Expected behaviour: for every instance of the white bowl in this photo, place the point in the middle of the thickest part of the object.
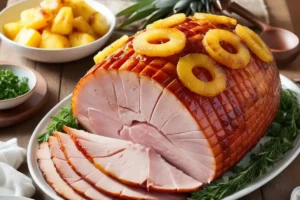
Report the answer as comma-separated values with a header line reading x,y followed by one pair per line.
x,y
12,13
20,72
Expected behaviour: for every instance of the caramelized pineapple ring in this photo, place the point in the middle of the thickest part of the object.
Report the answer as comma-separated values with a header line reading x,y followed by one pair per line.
x,y
215,18
175,44
185,73
254,42
212,45
168,22
110,49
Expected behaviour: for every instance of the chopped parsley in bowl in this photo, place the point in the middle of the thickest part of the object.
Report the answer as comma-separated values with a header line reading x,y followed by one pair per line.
x,y
17,84
12,86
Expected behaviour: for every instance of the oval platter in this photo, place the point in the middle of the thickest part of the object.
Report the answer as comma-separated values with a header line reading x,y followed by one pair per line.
x,y
273,172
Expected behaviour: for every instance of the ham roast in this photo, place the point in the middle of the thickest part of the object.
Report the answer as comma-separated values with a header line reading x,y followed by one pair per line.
x,y
140,98
167,111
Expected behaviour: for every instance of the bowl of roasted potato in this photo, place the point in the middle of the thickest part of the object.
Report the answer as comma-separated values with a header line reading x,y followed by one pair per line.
x,y
56,31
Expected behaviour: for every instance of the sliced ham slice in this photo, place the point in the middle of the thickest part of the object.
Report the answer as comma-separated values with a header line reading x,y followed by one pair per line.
x,y
142,170
51,175
70,176
100,180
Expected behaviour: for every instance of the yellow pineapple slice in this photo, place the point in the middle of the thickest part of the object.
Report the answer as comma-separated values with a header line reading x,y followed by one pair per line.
x,y
28,37
185,73
215,18
254,42
237,60
111,49
145,43
168,22
63,22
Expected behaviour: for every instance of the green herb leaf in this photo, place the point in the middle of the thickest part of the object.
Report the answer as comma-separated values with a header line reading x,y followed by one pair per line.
x,y
64,117
137,16
135,7
282,133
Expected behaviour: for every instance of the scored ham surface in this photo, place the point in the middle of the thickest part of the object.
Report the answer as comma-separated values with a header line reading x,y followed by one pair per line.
x,y
141,99
101,181
134,164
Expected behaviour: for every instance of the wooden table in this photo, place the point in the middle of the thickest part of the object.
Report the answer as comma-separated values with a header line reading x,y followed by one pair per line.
x,y
62,78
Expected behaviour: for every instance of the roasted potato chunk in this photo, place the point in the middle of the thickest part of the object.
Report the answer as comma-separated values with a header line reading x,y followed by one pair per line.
x,y
99,23
35,18
28,37
51,6
63,22
53,41
12,29
80,8
81,25
79,39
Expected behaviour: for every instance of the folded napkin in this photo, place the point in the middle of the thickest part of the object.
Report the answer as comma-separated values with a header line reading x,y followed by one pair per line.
x,y
13,182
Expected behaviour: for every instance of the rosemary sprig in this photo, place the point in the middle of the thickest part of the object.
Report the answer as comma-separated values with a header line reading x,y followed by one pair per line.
x,y
64,117
282,133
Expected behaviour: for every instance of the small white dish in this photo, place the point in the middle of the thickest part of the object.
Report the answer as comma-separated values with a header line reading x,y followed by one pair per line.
x,y
259,182
20,72
296,194
12,13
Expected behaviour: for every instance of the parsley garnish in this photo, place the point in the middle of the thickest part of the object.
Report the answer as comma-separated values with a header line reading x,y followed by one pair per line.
x,y
64,117
12,86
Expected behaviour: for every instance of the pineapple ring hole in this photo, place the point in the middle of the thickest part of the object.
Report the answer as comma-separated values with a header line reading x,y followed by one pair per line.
x,y
202,74
161,40
228,47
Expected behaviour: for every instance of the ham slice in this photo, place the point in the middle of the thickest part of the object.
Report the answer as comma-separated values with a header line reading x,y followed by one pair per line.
x,y
70,176
51,175
142,170
100,180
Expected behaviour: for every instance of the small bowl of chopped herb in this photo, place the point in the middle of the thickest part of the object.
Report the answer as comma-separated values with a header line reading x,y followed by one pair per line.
x,y
17,84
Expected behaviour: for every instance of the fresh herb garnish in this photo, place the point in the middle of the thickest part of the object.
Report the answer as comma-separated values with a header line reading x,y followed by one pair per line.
x,y
64,117
282,133
12,86
153,10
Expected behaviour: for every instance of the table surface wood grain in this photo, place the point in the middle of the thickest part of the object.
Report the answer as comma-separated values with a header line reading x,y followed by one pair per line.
x,y
62,78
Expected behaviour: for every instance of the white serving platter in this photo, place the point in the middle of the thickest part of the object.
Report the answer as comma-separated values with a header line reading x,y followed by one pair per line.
x,y
273,172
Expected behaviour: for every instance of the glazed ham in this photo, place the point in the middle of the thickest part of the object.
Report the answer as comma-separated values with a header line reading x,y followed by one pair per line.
x,y
147,167
141,99
165,112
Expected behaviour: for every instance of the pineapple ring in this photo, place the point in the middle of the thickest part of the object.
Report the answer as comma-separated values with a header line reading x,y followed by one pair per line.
x,y
255,43
176,43
185,73
212,45
101,55
168,22
215,18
